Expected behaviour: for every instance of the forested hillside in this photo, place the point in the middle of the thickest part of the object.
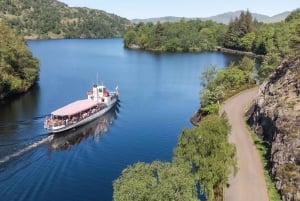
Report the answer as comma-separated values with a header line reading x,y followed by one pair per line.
x,y
18,68
38,19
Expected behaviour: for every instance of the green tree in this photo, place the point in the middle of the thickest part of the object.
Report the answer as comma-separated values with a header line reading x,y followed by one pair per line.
x,y
294,16
295,42
247,41
231,78
268,65
154,182
208,76
263,43
210,99
245,23
205,151
18,68
211,93
129,38
246,64
232,39
236,36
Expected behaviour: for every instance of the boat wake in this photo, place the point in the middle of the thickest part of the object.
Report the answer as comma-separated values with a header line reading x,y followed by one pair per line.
x,y
61,141
16,137
25,149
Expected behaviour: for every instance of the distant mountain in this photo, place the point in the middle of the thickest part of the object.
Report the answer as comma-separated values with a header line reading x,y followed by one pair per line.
x,y
226,17
277,18
53,19
222,18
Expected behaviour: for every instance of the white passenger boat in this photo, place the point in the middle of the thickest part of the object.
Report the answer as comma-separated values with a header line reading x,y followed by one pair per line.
x,y
71,138
80,112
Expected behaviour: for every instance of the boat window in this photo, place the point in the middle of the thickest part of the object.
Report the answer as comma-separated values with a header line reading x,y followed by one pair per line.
x,y
100,90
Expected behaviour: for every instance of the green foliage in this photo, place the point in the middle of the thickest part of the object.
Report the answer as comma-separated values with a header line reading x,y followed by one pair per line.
x,y
246,64
211,93
208,75
18,68
212,108
296,39
211,96
153,182
207,153
52,19
183,36
276,41
218,85
294,16
129,38
232,78
294,21
247,41
237,36
269,64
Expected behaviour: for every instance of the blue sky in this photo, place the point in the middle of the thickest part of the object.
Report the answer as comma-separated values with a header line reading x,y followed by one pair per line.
x,y
131,9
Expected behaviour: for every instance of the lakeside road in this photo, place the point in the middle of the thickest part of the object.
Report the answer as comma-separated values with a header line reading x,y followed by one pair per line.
x,y
249,183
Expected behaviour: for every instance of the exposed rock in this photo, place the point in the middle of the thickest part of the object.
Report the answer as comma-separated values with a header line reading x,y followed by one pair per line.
x,y
275,117
196,118
134,46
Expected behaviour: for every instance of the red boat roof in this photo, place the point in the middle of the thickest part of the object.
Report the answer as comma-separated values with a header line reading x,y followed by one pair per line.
x,y
75,107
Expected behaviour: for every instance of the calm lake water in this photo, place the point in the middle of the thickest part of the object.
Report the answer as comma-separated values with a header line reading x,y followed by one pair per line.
x,y
158,95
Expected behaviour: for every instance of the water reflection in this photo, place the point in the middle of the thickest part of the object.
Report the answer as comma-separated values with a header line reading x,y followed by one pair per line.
x,y
68,139
19,114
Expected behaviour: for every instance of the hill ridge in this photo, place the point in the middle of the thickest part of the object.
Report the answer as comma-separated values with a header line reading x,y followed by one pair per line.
x,y
220,18
39,19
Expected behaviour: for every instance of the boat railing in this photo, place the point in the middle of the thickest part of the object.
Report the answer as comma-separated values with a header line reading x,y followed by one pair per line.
x,y
51,123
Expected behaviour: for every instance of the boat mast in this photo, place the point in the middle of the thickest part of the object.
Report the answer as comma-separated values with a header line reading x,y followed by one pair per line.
x,y
97,79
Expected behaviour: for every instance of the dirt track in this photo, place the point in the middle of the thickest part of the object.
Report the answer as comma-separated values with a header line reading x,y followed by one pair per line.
x,y
249,183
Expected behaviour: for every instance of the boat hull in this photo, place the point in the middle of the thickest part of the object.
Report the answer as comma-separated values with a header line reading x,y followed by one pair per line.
x,y
92,117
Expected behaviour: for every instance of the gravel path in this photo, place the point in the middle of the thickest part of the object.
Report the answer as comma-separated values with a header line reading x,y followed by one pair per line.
x,y
249,183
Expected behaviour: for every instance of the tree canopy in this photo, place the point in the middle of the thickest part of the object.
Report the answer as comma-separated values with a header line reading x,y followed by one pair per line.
x,y
206,152
153,182
18,68
183,36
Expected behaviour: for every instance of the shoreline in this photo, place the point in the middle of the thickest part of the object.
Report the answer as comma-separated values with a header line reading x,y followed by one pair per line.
x,y
238,52
216,49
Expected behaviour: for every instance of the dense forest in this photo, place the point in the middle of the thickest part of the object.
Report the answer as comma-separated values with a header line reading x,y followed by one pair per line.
x,y
183,36
38,19
18,68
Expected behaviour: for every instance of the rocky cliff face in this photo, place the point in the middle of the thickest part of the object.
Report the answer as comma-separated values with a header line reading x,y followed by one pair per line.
x,y
276,119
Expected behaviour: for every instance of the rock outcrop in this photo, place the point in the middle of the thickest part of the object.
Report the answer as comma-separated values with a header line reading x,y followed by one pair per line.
x,y
275,117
